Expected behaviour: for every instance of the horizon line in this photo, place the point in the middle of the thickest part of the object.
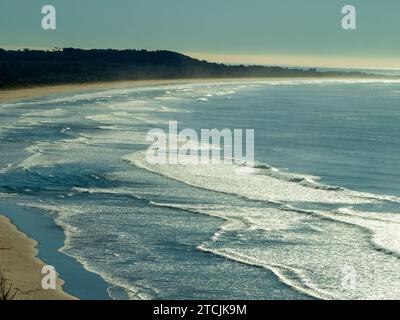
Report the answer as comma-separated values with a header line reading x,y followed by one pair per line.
x,y
305,61
290,61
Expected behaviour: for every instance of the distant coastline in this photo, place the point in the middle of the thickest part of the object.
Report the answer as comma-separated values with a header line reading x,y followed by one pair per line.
x,y
32,68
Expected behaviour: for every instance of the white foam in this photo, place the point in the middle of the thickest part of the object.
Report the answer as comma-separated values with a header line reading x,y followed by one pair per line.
x,y
313,263
118,191
62,216
225,178
288,275
7,168
46,113
126,119
7,195
384,226
50,154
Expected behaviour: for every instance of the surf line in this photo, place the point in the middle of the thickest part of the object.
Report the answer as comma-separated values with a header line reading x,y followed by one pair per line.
x,y
194,150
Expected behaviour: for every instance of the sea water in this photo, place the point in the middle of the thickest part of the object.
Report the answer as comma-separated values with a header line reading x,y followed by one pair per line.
x,y
317,217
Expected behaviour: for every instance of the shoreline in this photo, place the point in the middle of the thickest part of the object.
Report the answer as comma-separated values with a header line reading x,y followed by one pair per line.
x,y
12,94
30,223
22,267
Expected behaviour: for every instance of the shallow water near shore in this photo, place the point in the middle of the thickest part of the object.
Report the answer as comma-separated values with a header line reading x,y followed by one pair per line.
x,y
50,237
322,199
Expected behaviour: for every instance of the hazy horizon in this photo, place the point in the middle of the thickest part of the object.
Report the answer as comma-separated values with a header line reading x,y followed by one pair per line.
x,y
290,62
269,32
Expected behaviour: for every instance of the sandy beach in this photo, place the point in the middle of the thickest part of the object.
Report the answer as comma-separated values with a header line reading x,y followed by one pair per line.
x,y
21,267
25,93
7,95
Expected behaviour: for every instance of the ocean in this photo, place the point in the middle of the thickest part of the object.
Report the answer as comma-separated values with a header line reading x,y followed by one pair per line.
x,y
317,217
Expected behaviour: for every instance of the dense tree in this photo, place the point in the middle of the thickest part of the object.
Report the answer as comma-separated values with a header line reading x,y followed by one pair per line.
x,y
69,65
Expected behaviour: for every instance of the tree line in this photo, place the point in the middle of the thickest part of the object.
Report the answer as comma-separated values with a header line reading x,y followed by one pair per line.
x,y
26,67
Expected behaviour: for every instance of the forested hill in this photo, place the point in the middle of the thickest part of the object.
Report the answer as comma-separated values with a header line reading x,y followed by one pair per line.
x,y
35,67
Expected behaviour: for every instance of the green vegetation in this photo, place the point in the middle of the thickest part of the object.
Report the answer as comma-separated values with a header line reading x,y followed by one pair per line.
x,y
34,67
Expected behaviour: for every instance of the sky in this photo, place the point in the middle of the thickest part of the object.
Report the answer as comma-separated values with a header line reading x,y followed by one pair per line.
x,y
279,32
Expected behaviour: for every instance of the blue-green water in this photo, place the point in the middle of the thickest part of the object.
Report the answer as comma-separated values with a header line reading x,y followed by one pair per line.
x,y
323,198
